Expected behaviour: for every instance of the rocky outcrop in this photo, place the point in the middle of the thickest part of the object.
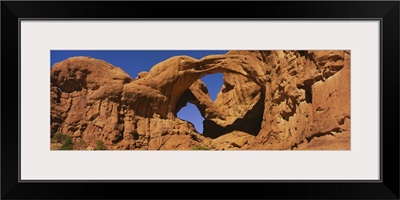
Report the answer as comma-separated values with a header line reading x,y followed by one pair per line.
x,y
85,100
269,100
307,103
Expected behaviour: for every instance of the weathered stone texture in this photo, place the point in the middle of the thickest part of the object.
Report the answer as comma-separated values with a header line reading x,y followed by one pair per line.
x,y
279,100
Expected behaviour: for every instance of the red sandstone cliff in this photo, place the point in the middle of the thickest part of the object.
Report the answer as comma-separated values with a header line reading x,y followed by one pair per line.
x,y
269,100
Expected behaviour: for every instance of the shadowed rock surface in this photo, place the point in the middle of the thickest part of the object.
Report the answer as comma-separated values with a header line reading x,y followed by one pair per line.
x,y
270,100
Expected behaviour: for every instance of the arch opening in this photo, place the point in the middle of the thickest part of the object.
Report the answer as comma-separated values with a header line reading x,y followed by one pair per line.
x,y
240,108
214,84
191,114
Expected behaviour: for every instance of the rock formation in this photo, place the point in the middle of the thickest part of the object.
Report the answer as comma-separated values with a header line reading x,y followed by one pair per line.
x,y
270,100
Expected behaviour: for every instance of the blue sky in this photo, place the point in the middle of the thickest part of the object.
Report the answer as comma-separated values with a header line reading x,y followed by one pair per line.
x,y
135,61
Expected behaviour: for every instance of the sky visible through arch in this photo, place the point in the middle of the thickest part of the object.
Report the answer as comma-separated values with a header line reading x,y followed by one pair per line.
x,y
135,61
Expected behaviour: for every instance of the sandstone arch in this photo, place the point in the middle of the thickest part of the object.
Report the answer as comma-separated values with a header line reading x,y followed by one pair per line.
x,y
222,117
167,81
303,98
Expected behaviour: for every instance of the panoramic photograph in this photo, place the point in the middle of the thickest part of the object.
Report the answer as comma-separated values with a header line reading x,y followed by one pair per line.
x,y
200,100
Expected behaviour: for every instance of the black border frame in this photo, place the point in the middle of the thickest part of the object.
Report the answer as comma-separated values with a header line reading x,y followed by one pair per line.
x,y
387,12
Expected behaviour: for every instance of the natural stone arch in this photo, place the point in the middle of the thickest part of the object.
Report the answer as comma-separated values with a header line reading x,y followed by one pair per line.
x,y
306,105
224,117
159,90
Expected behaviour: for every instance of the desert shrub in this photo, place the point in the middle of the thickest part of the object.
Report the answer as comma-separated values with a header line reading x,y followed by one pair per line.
x,y
59,137
67,144
81,144
201,148
100,145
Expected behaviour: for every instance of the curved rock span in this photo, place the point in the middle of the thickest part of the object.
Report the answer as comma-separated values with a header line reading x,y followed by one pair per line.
x,y
270,100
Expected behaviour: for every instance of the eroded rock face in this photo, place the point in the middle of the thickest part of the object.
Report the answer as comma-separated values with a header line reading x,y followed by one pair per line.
x,y
269,100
